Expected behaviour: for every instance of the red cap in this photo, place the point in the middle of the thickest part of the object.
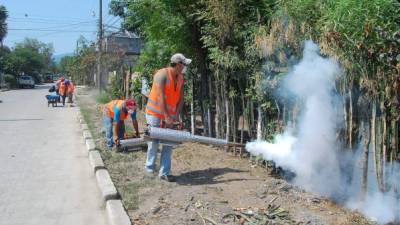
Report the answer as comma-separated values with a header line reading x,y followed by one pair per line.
x,y
130,104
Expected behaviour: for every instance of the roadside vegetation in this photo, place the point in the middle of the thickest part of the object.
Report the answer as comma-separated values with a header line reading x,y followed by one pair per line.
x,y
241,50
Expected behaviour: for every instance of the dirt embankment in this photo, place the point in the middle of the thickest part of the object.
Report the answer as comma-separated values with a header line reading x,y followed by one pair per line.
x,y
214,184
212,187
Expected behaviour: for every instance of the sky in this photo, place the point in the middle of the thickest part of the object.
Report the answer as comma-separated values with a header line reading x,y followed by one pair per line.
x,y
60,22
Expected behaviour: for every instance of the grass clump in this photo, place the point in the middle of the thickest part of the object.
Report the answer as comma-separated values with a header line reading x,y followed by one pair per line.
x,y
103,98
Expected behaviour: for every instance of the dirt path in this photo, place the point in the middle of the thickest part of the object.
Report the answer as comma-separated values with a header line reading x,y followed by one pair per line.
x,y
210,184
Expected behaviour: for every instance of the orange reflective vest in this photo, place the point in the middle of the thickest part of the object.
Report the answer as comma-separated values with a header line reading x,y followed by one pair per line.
x,y
70,88
109,109
61,89
172,95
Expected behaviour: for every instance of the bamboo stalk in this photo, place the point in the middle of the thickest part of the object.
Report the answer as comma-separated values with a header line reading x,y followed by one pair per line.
x,y
373,142
243,118
366,140
259,123
350,126
234,126
192,113
210,121
378,154
384,134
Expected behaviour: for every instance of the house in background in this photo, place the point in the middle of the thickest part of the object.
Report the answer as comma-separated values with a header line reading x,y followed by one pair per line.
x,y
127,46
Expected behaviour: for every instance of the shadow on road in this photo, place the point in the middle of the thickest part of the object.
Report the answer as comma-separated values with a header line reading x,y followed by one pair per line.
x,y
37,87
43,86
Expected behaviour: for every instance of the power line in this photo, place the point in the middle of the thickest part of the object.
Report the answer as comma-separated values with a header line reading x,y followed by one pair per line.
x,y
30,23
109,19
36,17
115,21
46,30
69,25
46,21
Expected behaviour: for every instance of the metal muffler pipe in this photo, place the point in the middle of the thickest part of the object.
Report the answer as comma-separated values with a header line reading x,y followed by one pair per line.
x,y
133,142
173,137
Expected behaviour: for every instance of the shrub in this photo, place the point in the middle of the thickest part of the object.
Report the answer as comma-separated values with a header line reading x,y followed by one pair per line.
x,y
11,81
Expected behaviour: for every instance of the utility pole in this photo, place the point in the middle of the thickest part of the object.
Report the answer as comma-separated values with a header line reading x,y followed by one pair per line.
x,y
99,69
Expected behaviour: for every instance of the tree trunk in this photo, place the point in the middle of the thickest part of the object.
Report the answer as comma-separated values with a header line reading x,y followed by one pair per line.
x,y
234,124
350,125
279,119
251,119
259,123
203,118
366,141
346,124
228,119
243,116
384,136
373,145
192,115
218,111
394,140
378,153
211,121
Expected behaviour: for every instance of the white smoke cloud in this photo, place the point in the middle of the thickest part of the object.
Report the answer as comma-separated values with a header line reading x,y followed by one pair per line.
x,y
313,154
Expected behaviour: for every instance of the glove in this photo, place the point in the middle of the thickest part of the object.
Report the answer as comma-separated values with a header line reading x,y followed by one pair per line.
x,y
180,126
116,141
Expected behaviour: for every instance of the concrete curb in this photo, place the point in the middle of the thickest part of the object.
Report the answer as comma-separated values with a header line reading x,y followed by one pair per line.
x,y
84,126
95,160
107,188
117,214
90,146
87,135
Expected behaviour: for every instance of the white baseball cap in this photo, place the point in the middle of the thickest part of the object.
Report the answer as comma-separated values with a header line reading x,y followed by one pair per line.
x,y
179,58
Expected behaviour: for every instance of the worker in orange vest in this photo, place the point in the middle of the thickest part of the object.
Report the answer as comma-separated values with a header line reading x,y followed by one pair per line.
x,y
114,114
70,91
163,106
65,90
58,84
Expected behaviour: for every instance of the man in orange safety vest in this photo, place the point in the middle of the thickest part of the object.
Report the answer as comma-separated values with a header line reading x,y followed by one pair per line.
x,y
163,106
114,114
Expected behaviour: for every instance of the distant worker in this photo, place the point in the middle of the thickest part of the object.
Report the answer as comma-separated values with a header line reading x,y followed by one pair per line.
x,y
70,91
66,89
163,107
114,114
58,83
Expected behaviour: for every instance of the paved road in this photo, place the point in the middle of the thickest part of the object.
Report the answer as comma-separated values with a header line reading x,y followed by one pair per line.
x,y
45,177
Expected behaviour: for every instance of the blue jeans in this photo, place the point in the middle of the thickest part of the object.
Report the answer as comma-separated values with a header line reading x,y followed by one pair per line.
x,y
108,125
165,161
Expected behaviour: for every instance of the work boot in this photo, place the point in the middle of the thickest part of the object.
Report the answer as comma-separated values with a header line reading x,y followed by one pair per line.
x,y
168,178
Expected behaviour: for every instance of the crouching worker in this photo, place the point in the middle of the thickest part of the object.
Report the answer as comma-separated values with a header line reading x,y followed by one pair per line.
x,y
114,114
